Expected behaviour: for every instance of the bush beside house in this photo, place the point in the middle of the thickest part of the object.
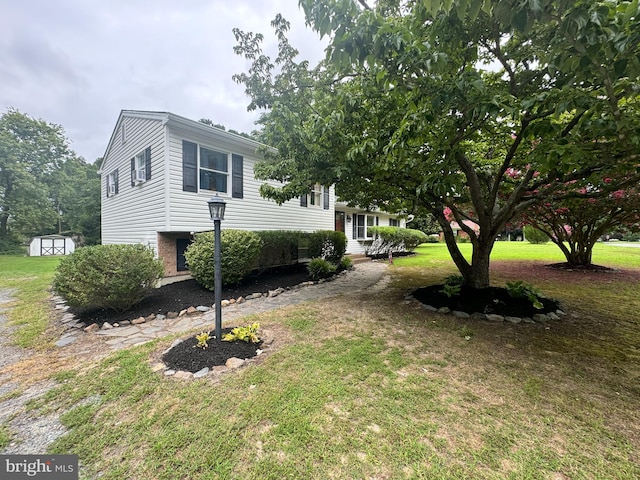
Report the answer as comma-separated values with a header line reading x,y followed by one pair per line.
x,y
107,276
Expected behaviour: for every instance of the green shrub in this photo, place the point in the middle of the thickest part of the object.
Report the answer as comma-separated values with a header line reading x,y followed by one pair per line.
x,y
394,239
345,263
535,236
328,245
239,250
107,276
320,268
279,248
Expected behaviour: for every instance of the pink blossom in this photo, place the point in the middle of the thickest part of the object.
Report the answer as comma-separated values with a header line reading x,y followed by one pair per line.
x,y
606,180
618,194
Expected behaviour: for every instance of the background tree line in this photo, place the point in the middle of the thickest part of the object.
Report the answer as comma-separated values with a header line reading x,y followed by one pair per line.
x,y
45,188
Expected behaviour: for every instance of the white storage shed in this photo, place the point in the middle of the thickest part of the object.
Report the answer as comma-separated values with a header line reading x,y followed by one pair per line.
x,y
51,245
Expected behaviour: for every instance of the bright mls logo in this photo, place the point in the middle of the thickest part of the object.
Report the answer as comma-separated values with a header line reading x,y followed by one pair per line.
x,y
45,467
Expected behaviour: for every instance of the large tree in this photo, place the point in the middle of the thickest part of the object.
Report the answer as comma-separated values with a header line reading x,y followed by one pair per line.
x,y
44,187
479,107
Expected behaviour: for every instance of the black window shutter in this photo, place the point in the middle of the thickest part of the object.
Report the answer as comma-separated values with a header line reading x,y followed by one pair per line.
x,y
133,172
303,200
355,226
326,198
116,181
108,185
189,166
236,175
377,221
147,163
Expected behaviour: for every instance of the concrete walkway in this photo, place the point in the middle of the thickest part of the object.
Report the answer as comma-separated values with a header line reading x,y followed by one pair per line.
x,y
362,277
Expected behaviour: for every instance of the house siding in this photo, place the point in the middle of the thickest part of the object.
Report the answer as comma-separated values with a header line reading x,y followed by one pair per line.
x,y
189,210
134,214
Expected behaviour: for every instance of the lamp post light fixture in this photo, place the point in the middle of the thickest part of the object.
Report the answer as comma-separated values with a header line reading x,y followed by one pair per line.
x,y
216,210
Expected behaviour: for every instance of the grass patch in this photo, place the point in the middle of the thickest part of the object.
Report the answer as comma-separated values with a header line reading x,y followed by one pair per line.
x,y
29,278
374,386
5,436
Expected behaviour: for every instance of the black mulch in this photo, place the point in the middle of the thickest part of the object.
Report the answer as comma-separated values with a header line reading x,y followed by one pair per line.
x,y
188,356
180,295
492,300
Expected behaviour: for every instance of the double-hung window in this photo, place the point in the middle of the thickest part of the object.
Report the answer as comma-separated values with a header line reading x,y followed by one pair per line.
x,y
204,168
141,167
315,197
214,170
112,183
394,222
361,224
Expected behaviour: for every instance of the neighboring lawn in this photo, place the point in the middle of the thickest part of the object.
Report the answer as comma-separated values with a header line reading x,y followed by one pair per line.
x,y
29,278
376,387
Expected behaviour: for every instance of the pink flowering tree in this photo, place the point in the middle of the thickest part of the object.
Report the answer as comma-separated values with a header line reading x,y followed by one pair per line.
x,y
575,219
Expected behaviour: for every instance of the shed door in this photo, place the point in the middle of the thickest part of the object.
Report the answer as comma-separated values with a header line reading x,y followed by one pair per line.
x,y
52,246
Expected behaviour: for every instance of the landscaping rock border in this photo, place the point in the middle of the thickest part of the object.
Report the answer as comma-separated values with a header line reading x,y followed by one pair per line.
x,y
537,318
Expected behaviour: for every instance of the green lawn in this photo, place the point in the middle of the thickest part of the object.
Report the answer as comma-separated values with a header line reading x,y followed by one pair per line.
x,y
29,278
373,386
608,255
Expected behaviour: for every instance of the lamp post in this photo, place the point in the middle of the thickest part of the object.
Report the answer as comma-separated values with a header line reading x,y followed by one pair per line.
x,y
216,210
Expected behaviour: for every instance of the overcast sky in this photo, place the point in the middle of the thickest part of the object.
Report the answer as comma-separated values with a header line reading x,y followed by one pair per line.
x,y
77,63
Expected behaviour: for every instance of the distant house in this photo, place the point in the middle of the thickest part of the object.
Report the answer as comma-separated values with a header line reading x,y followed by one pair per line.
x,y
46,245
159,170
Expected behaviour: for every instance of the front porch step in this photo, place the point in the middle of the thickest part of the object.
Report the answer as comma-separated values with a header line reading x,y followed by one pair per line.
x,y
358,258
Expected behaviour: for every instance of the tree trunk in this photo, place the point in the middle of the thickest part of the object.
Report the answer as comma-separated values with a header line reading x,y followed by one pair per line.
x,y
580,255
478,274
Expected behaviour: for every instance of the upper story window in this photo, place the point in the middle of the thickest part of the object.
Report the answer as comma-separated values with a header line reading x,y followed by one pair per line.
x,y
141,167
207,169
394,222
214,170
315,197
112,183
319,197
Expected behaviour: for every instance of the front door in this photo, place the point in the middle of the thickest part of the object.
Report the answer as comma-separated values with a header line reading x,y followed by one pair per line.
x,y
339,222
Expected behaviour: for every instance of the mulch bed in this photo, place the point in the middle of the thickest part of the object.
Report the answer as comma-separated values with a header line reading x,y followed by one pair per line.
x,y
187,356
492,300
180,295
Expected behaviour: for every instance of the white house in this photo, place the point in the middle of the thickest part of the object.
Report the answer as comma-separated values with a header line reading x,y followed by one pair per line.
x,y
159,170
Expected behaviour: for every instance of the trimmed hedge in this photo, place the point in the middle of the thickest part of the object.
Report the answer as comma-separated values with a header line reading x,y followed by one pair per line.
x,y
327,244
279,248
395,240
114,277
239,250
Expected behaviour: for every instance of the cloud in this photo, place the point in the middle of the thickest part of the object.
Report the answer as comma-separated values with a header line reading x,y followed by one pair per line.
x,y
78,63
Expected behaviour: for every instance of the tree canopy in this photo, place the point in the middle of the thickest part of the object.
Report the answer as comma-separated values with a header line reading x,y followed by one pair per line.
x,y
483,108
44,187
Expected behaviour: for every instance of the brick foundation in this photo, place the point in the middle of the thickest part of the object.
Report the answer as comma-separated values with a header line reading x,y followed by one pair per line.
x,y
168,253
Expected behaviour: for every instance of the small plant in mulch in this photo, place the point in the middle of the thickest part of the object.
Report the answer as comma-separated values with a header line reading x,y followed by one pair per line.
x,y
247,334
204,351
518,299
522,289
